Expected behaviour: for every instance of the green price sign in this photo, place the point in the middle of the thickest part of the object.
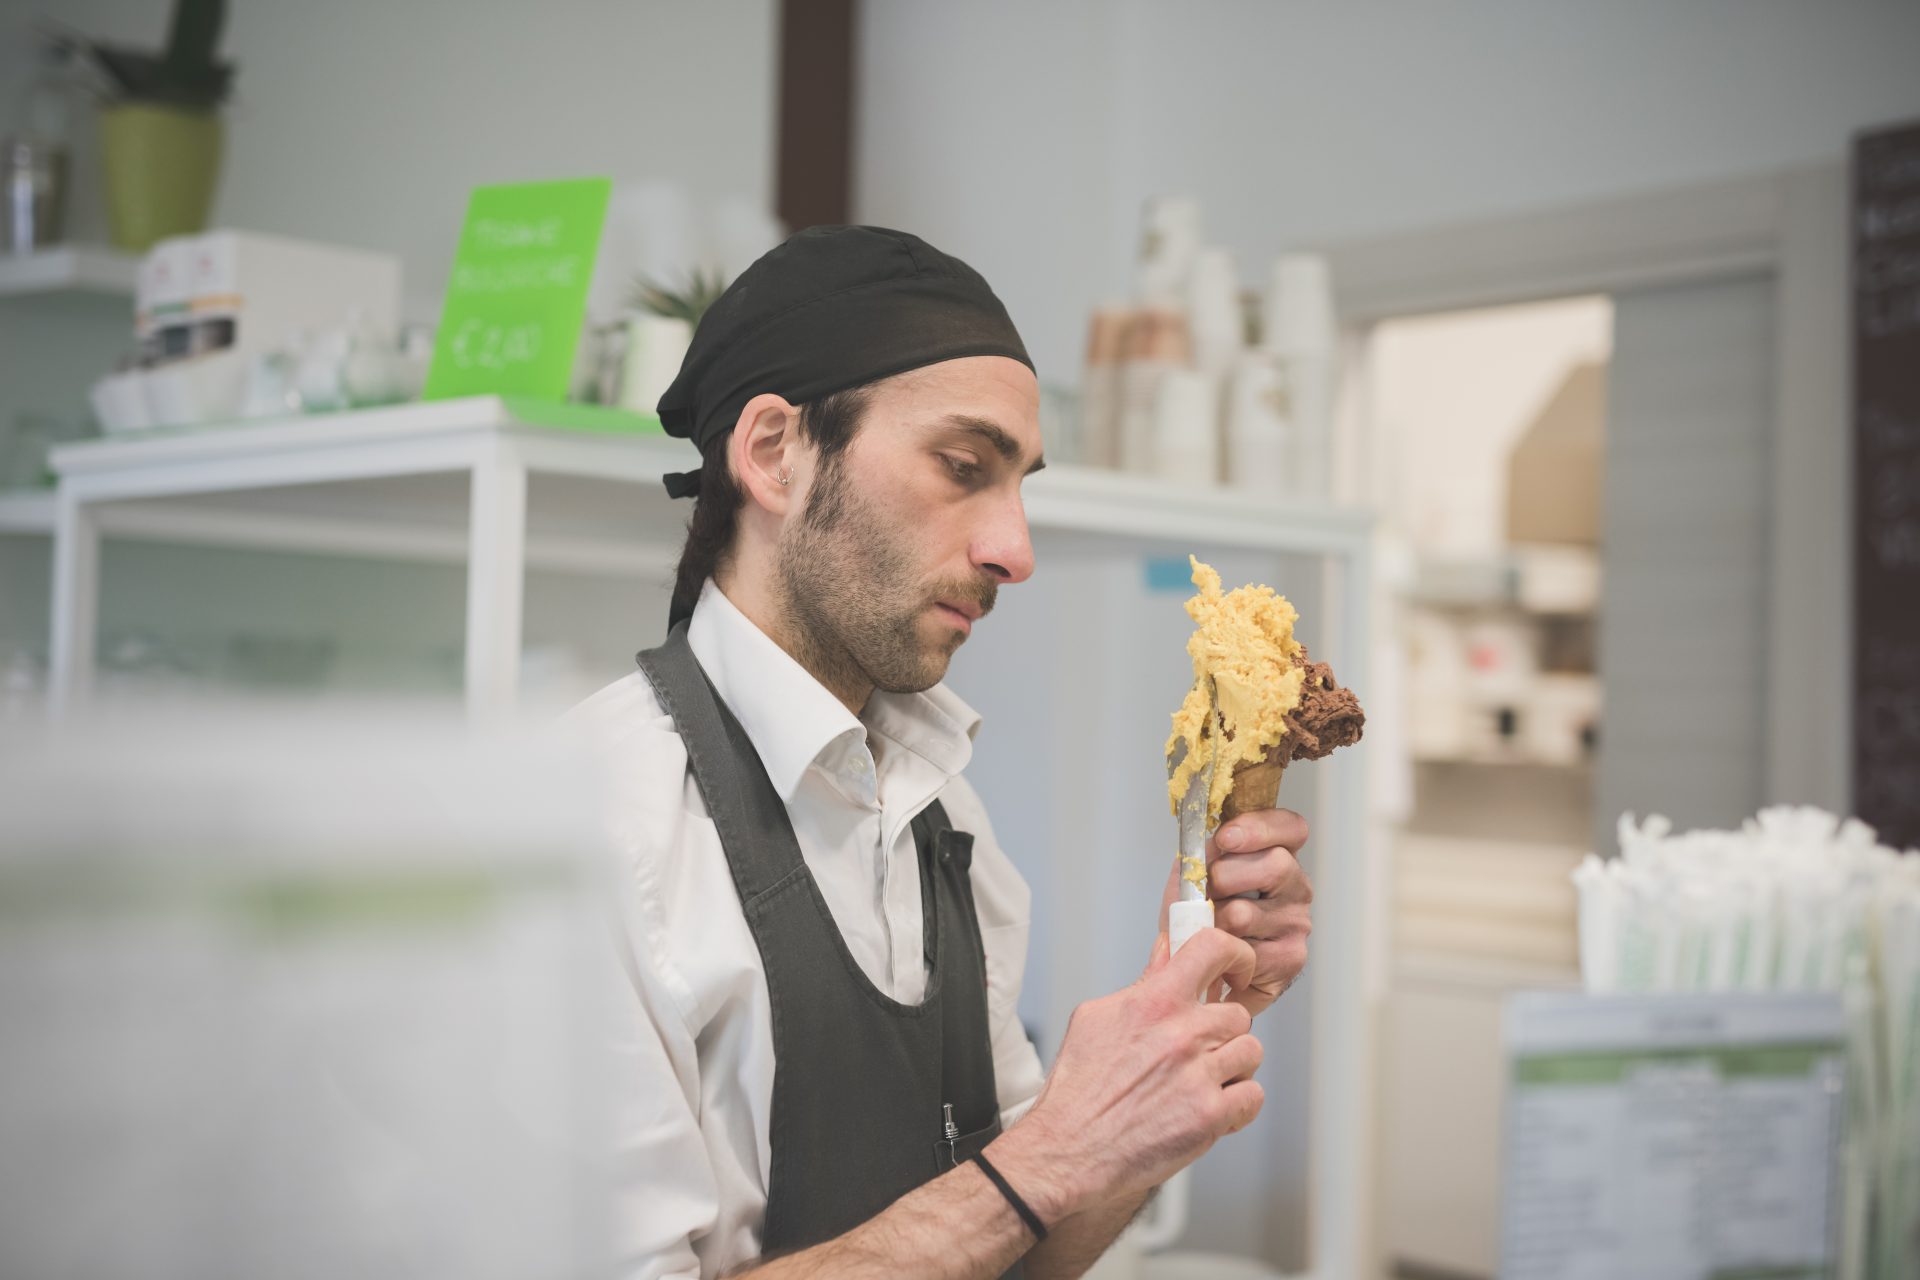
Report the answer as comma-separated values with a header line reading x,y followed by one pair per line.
x,y
517,298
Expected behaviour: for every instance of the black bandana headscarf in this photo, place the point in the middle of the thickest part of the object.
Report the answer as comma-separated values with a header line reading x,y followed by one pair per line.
x,y
830,308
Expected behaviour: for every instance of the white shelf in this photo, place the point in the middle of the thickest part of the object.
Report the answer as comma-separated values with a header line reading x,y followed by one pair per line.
x,y
504,485
1533,578
74,269
1512,758
390,483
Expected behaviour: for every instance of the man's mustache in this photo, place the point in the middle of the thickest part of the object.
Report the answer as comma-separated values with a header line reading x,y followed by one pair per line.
x,y
978,592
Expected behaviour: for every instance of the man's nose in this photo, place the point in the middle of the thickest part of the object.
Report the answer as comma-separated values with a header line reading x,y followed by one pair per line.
x,y
1004,548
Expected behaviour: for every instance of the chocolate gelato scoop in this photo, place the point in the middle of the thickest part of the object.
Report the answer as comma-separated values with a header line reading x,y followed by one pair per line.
x,y
1327,718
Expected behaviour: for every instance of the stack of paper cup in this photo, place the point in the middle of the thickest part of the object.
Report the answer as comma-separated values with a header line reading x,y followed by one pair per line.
x,y
1100,387
1298,315
1156,344
1298,326
1186,428
1213,311
1259,434
1169,241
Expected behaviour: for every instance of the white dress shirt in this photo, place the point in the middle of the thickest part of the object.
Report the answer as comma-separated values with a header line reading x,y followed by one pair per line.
x,y
694,1087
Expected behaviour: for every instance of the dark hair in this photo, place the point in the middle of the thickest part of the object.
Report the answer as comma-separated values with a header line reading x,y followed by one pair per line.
x,y
827,423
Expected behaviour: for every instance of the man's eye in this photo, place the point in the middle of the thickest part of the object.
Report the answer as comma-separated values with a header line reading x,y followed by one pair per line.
x,y
960,469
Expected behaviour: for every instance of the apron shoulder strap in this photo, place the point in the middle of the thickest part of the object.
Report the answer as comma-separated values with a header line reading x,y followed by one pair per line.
x,y
748,813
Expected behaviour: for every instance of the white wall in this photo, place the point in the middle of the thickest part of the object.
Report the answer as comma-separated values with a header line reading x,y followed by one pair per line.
x,y
366,123
1024,134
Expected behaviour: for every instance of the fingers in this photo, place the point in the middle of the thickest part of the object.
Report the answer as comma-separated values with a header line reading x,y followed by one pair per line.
x,y
1209,957
1242,1101
1222,1022
1261,829
1273,873
1157,960
1237,1059
1259,920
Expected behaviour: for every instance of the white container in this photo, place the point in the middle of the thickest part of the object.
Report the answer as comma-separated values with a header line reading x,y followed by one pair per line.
x,y
1170,240
250,290
119,402
1312,389
1156,344
1100,386
1298,314
655,347
1186,428
320,377
163,295
269,285
1213,312
371,372
215,386
169,395
1259,427
267,391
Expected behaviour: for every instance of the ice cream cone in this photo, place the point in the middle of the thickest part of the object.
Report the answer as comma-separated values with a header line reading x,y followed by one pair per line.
x,y
1256,785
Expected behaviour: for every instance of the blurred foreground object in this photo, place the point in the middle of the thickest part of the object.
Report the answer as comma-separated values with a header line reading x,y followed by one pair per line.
x,y
297,996
1795,901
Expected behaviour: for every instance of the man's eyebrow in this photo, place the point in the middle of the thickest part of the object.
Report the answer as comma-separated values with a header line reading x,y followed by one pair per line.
x,y
994,434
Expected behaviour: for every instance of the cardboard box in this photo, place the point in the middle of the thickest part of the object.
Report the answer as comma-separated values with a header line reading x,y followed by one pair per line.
x,y
1554,474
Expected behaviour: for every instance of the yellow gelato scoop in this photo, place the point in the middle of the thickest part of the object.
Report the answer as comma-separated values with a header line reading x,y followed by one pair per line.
x,y
1243,649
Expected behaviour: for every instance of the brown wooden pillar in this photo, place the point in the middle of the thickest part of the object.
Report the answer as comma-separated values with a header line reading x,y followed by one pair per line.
x,y
814,180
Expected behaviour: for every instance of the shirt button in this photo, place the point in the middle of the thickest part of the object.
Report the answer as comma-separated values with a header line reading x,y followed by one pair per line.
x,y
860,765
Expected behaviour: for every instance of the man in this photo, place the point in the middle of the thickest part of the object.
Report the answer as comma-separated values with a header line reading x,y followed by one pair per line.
x,y
827,1074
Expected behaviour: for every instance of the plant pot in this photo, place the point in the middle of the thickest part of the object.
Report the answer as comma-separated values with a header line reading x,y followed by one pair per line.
x,y
161,165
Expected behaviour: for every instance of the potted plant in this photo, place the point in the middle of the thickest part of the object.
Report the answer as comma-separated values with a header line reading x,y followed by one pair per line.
x,y
660,324
160,126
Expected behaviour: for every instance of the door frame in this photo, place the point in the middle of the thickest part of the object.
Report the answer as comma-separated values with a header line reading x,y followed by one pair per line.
x,y
1790,224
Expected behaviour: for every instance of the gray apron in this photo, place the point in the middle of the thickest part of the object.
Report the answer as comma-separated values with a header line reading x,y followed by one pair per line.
x,y
871,1097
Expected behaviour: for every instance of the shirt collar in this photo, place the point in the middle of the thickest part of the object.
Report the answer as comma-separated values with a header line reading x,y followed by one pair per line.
x,y
792,719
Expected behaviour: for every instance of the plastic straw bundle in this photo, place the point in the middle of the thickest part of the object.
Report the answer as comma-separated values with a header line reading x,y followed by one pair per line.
x,y
1796,900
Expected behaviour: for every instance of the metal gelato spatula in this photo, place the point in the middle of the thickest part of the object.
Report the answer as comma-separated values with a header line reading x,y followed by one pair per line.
x,y
1192,911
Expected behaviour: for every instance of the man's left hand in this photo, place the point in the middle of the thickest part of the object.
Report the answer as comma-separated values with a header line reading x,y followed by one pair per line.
x,y
1258,853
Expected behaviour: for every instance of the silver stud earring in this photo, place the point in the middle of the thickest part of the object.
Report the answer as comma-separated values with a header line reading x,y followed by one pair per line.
x,y
785,477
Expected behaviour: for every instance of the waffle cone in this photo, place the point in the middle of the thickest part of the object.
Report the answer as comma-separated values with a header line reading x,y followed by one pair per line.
x,y
1255,785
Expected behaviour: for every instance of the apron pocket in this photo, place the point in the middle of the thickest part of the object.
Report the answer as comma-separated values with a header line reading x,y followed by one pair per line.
x,y
950,1153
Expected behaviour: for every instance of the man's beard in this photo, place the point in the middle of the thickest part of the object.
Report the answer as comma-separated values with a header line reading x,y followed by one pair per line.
x,y
853,605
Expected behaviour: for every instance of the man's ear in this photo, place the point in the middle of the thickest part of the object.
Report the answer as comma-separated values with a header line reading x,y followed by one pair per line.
x,y
765,451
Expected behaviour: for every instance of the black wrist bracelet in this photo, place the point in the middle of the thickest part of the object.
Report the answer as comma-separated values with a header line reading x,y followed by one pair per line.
x,y
1027,1215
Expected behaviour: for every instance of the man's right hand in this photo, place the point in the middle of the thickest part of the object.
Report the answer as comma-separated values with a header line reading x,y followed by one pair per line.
x,y
1147,1079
